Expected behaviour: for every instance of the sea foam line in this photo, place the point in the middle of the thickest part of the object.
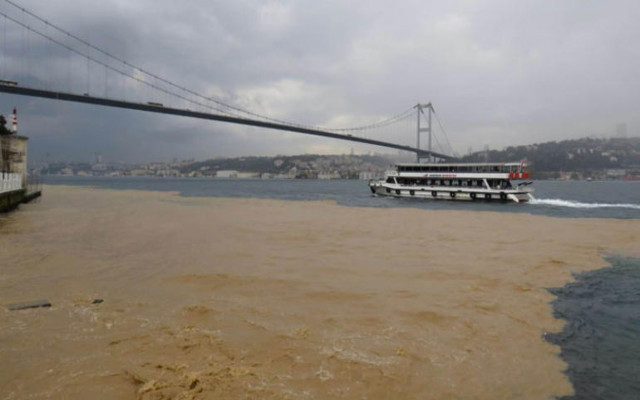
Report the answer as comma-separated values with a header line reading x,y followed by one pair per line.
x,y
577,204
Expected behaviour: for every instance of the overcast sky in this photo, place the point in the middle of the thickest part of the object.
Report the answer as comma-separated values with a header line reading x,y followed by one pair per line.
x,y
499,73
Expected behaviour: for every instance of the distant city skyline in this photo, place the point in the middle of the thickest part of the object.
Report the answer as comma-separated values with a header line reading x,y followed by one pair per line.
x,y
499,73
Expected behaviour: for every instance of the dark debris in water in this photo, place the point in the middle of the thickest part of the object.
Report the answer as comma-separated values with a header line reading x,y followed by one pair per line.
x,y
601,340
29,304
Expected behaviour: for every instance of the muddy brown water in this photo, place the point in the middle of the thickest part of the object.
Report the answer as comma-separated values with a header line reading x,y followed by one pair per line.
x,y
246,298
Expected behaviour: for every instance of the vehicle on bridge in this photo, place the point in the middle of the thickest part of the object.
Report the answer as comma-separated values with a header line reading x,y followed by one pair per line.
x,y
481,181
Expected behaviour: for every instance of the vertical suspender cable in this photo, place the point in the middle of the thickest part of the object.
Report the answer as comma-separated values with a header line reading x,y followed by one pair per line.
x,y
4,47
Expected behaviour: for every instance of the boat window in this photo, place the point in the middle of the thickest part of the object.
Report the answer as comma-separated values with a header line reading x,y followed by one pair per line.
x,y
389,180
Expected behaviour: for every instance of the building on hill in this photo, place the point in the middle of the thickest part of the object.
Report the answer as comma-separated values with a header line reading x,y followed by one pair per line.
x,y
13,168
13,159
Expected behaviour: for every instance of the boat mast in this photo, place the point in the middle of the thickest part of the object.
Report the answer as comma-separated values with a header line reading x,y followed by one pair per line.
x,y
419,110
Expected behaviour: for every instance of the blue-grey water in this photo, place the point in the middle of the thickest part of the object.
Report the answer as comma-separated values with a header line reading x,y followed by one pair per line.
x,y
600,340
574,199
602,308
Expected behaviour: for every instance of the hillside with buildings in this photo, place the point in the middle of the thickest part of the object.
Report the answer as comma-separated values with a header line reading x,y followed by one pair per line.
x,y
307,166
615,158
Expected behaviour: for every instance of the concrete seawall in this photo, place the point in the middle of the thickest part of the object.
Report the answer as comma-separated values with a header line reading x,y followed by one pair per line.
x,y
11,200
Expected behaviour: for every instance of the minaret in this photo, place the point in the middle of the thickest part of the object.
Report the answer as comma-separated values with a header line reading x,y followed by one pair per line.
x,y
14,122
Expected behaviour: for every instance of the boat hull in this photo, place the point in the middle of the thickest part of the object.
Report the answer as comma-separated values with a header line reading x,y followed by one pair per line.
x,y
382,188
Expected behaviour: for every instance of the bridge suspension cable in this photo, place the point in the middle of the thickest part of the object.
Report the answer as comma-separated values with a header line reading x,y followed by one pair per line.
x,y
380,124
86,50
223,107
446,137
88,57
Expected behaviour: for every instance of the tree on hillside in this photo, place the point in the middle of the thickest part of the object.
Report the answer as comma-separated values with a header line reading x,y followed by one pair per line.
x,y
3,126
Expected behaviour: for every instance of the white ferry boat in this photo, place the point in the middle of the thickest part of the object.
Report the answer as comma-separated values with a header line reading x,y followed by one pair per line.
x,y
486,181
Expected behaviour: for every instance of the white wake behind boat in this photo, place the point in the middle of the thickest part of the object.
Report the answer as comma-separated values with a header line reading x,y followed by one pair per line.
x,y
465,181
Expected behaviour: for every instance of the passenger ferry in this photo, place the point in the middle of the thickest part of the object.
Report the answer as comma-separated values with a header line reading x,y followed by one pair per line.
x,y
486,181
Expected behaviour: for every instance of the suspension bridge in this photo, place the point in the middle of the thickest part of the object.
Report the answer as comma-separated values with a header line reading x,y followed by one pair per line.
x,y
76,70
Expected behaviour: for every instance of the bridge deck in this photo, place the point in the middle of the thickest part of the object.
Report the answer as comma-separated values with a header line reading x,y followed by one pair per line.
x,y
158,108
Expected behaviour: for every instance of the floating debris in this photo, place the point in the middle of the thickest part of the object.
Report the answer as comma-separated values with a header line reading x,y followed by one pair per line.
x,y
29,304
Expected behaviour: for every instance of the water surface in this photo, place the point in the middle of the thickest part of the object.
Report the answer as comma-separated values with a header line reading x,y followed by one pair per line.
x,y
573,199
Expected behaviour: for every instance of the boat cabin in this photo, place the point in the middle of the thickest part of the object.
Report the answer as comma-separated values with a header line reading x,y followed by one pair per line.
x,y
473,168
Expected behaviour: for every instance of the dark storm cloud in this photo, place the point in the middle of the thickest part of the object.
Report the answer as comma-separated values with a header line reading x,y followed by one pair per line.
x,y
498,72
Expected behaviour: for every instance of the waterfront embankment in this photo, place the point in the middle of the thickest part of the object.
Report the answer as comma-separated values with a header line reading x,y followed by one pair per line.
x,y
12,199
250,298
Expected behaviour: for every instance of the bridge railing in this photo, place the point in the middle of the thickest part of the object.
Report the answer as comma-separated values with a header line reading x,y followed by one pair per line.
x,y
10,182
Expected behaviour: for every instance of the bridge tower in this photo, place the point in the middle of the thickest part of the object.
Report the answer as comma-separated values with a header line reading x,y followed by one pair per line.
x,y
420,110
